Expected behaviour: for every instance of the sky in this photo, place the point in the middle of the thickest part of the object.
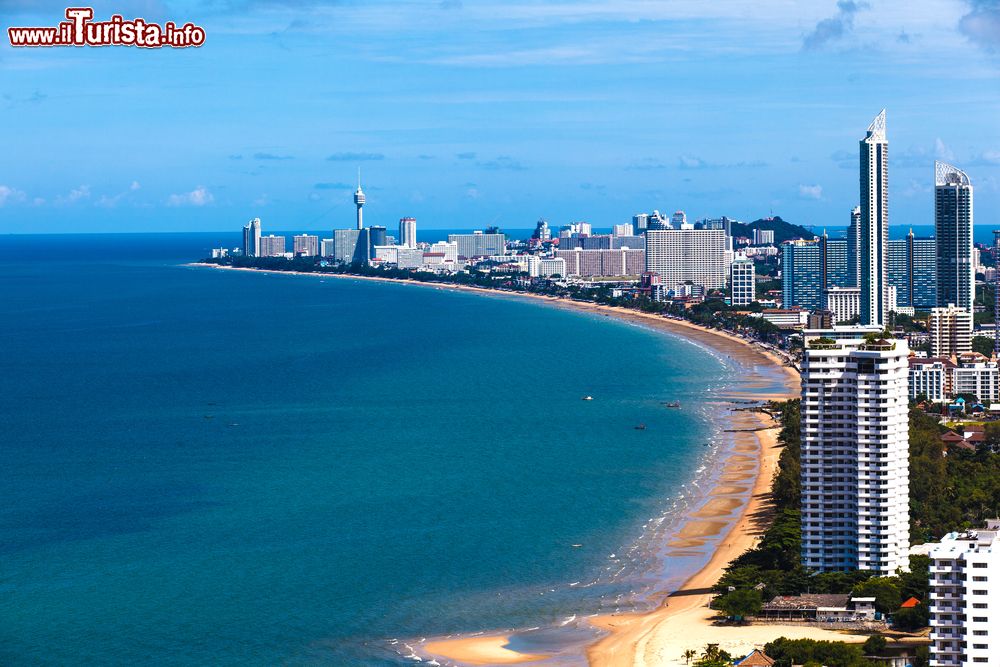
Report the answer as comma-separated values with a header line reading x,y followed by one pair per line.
x,y
465,114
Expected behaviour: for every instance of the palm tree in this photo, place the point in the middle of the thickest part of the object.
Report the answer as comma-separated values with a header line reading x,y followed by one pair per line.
x,y
688,654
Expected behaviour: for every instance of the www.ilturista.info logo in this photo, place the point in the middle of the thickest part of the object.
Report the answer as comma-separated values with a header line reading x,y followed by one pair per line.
x,y
81,30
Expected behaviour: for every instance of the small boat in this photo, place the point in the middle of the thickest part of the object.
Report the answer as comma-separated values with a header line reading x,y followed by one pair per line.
x,y
672,404
576,546
587,398
640,427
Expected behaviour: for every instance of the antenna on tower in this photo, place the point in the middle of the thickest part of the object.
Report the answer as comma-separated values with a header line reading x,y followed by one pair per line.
x,y
359,178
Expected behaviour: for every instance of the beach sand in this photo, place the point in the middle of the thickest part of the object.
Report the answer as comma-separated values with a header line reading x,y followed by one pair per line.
x,y
483,650
682,621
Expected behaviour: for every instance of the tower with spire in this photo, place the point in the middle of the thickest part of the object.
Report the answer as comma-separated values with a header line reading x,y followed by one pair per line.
x,y
874,224
359,200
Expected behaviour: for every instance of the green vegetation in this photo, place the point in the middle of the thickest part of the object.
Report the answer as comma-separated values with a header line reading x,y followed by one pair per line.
x,y
983,345
788,652
739,604
947,493
783,230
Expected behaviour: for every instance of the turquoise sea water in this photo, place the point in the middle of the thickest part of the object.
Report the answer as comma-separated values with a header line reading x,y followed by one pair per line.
x,y
207,467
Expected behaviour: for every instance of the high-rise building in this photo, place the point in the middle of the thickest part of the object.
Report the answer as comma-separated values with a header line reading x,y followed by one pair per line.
x,y
836,270
605,262
843,302
913,271
377,235
855,468
251,238
965,598
305,245
351,246
679,219
408,232
802,274
272,246
763,236
622,230
742,281
326,248
950,330
854,248
874,223
478,244
542,231
682,255
640,222
953,229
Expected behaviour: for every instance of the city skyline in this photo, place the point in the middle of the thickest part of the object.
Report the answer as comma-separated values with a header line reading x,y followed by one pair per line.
x,y
566,111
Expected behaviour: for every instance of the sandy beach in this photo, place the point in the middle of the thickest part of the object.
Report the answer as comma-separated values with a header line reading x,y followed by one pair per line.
x,y
682,621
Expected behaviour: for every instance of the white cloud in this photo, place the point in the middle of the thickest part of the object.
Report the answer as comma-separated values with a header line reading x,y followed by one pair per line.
x,y
197,197
942,152
9,194
76,194
811,191
135,186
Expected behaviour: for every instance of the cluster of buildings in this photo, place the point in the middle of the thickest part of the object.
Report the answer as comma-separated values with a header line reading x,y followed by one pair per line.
x,y
856,385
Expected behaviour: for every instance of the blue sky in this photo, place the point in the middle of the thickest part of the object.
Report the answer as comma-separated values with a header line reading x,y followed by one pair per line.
x,y
464,113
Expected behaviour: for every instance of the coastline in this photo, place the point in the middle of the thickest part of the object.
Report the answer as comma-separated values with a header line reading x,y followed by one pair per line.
x,y
639,638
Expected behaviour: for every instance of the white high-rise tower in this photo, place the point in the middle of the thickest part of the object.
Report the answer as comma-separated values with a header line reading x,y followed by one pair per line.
x,y
855,446
251,238
359,199
875,224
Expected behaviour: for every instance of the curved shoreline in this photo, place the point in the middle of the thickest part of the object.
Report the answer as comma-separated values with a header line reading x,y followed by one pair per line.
x,y
633,637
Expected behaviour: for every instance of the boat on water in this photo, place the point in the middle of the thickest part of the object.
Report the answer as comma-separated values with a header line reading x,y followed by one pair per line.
x,y
640,427
587,398
672,404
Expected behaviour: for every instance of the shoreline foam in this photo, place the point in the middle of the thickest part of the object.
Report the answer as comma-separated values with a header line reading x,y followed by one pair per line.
x,y
751,464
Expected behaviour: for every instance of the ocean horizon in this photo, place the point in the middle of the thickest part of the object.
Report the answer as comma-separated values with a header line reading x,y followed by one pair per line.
x,y
226,467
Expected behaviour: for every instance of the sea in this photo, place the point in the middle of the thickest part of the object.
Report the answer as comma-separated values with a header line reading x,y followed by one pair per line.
x,y
206,467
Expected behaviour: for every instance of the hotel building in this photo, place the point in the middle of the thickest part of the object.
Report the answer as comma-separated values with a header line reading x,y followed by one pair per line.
x,y
304,245
272,246
681,255
478,244
855,470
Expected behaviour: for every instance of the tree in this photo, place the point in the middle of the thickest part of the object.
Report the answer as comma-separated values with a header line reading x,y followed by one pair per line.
x,y
714,657
740,604
885,590
983,345
874,645
688,654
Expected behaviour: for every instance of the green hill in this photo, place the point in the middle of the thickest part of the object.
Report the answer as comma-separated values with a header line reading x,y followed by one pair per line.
x,y
783,230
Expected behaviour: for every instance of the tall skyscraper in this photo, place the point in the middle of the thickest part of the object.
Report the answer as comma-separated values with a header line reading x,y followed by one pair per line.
x,y
359,200
251,238
855,446
854,248
953,228
408,232
912,271
875,223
